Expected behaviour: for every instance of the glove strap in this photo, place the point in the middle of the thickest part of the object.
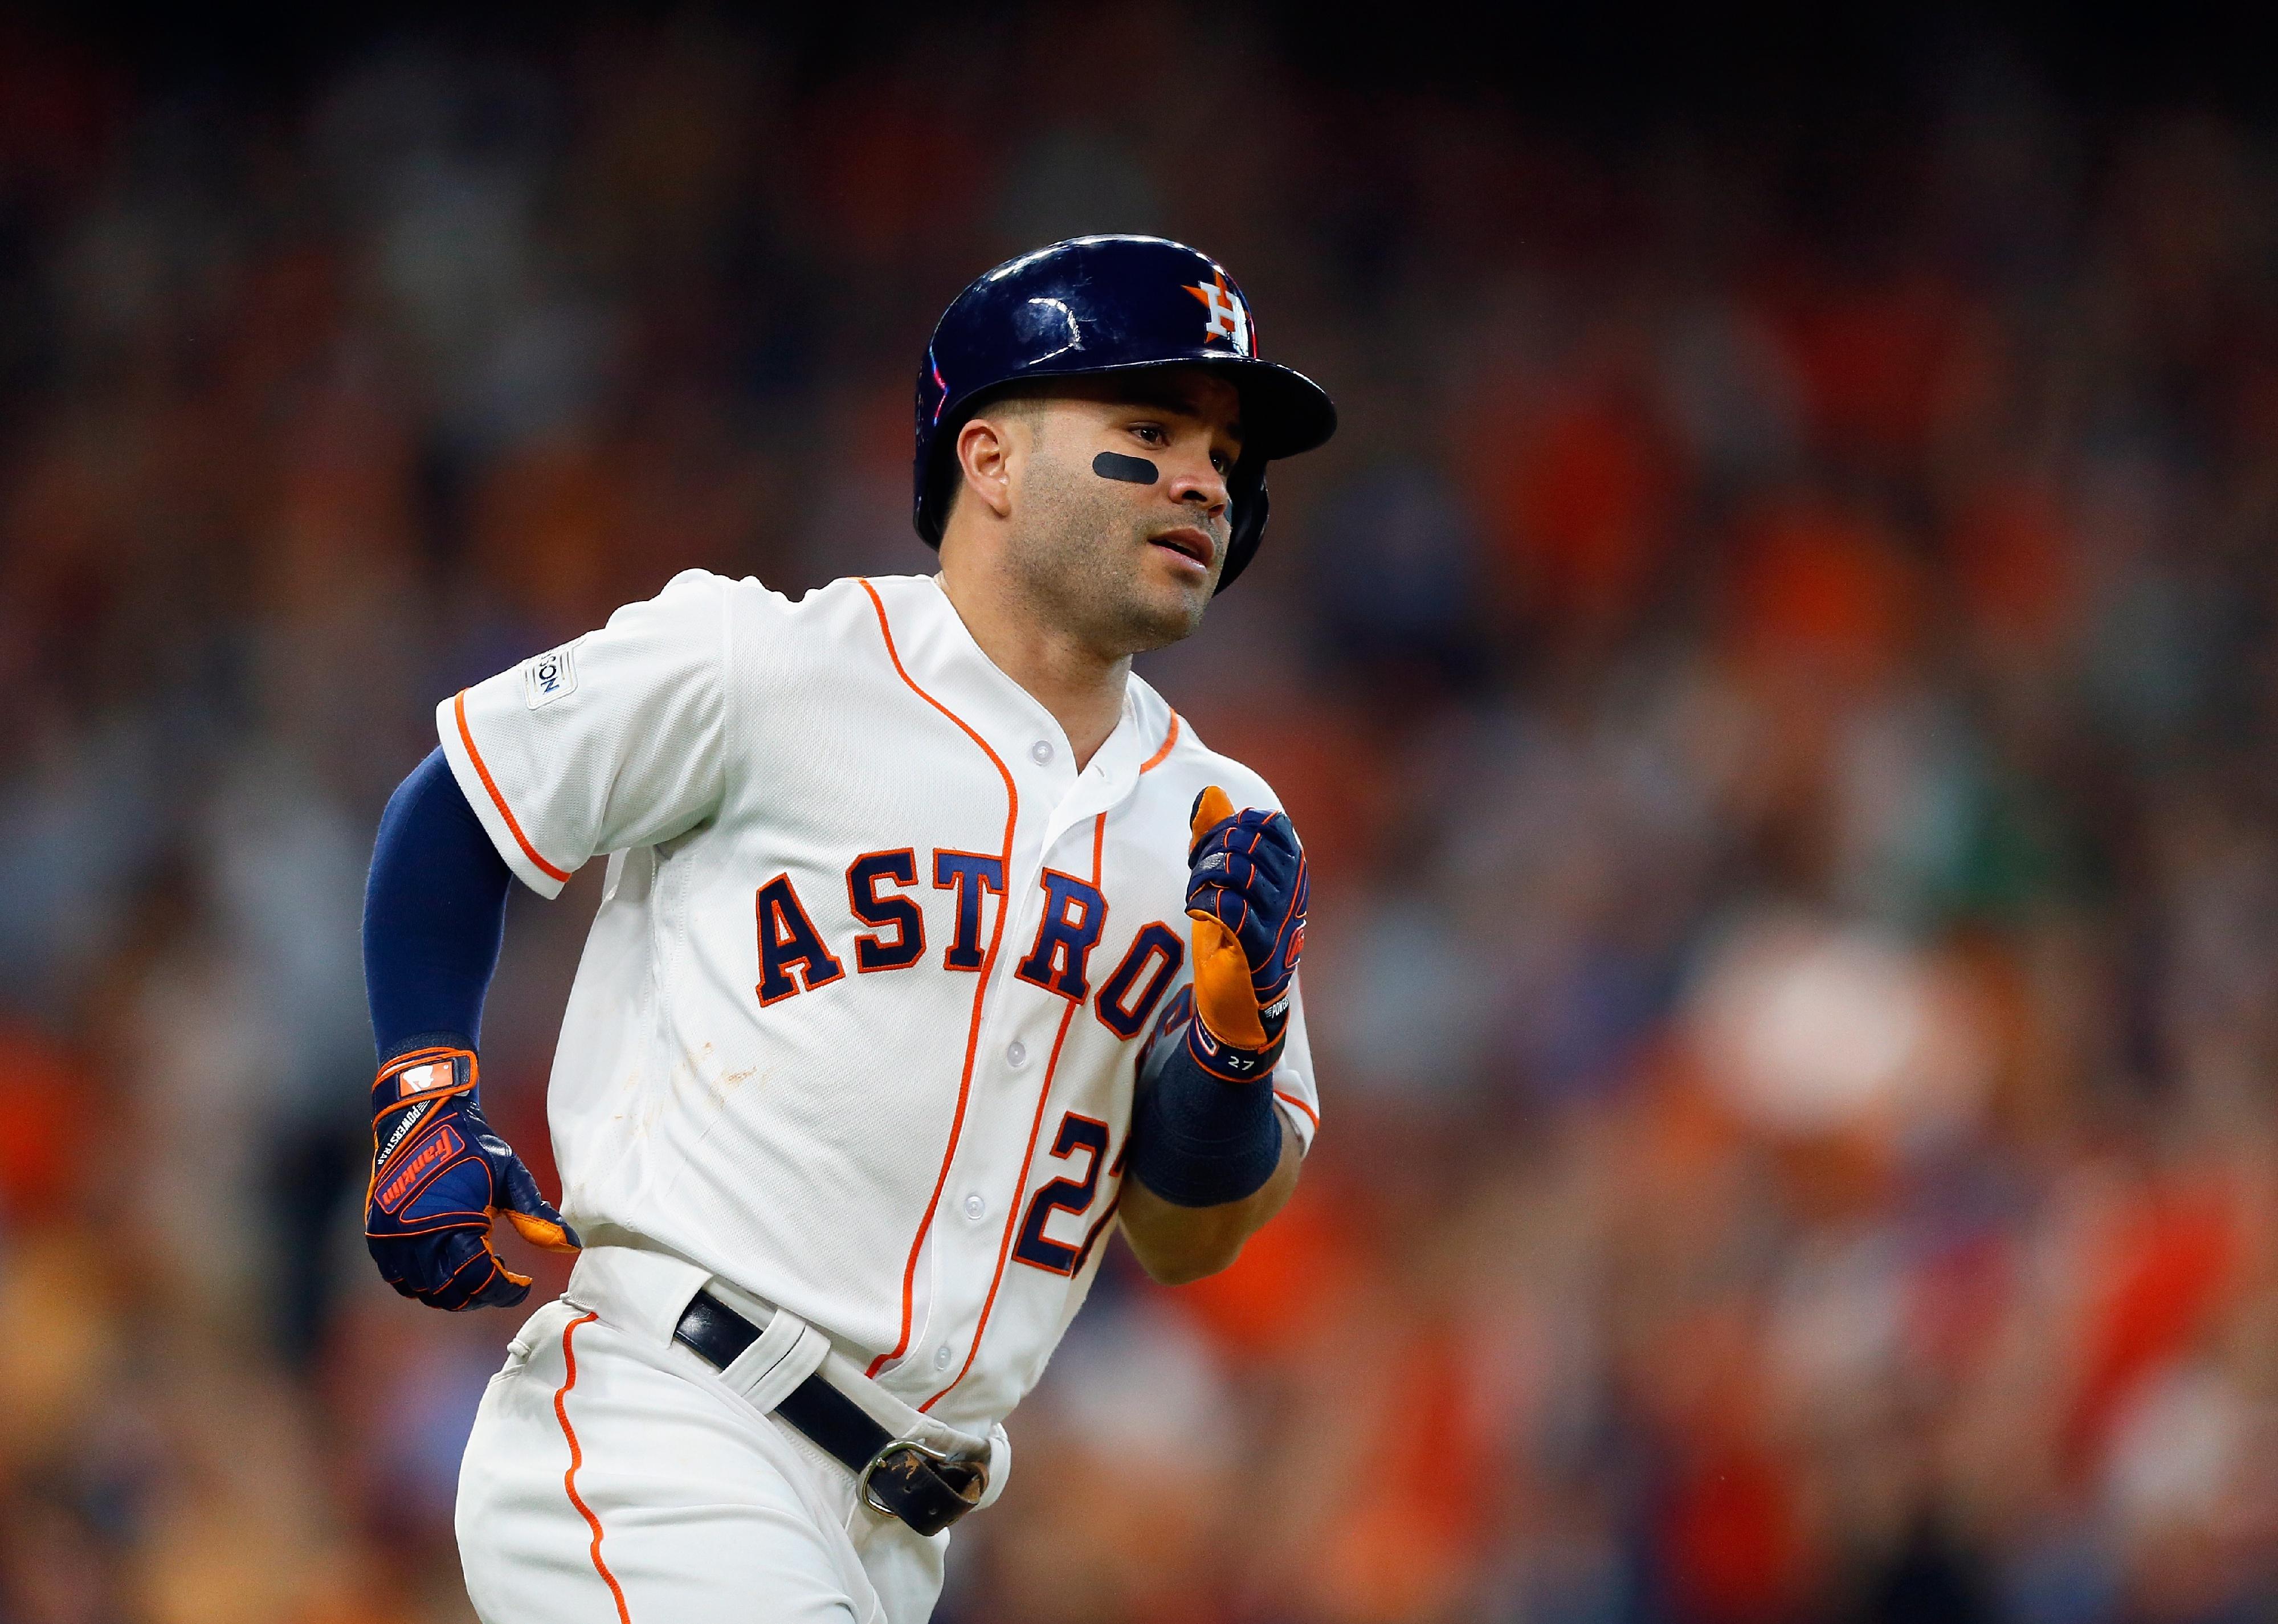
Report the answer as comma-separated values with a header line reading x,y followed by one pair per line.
x,y
423,1074
407,1092
1229,1063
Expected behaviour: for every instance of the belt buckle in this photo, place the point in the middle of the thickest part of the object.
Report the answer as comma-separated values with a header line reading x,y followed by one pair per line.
x,y
976,1475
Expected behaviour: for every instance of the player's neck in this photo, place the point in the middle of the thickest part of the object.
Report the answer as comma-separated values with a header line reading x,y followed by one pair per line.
x,y
1082,688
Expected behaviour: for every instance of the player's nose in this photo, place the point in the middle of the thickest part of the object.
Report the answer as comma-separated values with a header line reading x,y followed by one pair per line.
x,y
1201,485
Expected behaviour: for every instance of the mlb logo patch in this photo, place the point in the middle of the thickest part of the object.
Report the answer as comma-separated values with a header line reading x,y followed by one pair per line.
x,y
419,1079
551,675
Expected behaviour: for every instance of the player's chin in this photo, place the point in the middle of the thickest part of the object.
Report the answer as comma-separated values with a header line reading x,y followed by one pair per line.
x,y
1172,572
1164,606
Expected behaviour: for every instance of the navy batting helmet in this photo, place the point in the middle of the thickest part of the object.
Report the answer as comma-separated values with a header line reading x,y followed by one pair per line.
x,y
1111,304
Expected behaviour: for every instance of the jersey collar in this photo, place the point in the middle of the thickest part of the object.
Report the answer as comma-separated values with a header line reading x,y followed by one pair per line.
x,y
1016,719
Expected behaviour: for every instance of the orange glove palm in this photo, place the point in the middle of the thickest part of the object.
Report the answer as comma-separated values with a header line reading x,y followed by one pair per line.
x,y
1246,895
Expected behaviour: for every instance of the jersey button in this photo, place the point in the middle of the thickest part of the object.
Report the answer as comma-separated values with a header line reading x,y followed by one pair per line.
x,y
975,1208
940,1357
1040,751
1016,1054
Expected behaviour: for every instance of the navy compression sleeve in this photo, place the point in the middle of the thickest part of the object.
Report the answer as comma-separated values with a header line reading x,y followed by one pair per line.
x,y
434,914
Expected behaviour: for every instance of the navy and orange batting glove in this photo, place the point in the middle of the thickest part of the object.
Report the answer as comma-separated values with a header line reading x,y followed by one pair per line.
x,y
1203,1130
1246,892
439,1176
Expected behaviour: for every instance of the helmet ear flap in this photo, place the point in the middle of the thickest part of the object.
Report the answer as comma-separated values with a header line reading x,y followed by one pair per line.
x,y
937,478
1247,490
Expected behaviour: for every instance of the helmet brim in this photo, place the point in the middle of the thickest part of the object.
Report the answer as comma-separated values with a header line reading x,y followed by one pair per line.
x,y
1283,412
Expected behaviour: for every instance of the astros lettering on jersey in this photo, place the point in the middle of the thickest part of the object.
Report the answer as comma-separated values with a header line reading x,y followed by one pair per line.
x,y
857,1025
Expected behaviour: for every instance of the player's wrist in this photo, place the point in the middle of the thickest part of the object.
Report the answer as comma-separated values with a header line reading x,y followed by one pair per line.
x,y
1200,1138
431,1066
397,1048
1241,1064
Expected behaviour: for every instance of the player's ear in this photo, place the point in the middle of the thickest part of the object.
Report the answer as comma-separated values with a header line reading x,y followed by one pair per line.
x,y
984,451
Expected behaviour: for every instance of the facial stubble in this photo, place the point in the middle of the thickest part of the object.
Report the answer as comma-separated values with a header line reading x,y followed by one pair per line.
x,y
1079,554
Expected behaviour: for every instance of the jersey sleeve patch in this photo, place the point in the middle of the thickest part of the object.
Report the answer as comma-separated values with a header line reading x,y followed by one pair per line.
x,y
551,675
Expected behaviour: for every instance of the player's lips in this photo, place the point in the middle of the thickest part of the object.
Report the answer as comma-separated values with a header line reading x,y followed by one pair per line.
x,y
1187,540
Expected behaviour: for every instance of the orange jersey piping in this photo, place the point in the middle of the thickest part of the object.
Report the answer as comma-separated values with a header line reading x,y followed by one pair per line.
x,y
1169,739
459,710
577,1459
1035,1125
980,991
1301,1106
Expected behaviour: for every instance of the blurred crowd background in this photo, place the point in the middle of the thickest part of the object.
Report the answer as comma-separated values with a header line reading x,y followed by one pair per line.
x,y
1776,676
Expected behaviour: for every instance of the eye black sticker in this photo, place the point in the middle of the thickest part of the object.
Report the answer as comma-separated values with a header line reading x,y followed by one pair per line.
x,y
1131,470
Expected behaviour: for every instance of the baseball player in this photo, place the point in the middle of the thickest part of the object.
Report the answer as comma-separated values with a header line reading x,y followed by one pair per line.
x,y
934,946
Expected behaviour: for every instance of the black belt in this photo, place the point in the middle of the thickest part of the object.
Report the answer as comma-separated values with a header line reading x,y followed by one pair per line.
x,y
901,1477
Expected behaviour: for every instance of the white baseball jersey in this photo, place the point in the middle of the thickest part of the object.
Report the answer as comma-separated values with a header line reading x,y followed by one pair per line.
x,y
857,1024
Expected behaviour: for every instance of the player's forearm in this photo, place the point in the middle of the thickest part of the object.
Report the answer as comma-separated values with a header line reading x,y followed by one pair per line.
x,y
1211,1159
434,914
1176,1245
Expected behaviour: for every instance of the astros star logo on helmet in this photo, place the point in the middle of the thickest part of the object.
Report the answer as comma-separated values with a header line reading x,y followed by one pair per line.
x,y
1229,317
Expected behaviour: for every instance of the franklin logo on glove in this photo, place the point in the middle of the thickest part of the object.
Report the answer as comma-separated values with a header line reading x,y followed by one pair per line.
x,y
439,1176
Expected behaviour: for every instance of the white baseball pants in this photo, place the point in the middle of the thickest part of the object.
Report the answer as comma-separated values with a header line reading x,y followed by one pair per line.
x,y
613,1476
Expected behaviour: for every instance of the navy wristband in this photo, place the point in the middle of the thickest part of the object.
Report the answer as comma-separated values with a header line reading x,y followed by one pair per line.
x,y
1199,1141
